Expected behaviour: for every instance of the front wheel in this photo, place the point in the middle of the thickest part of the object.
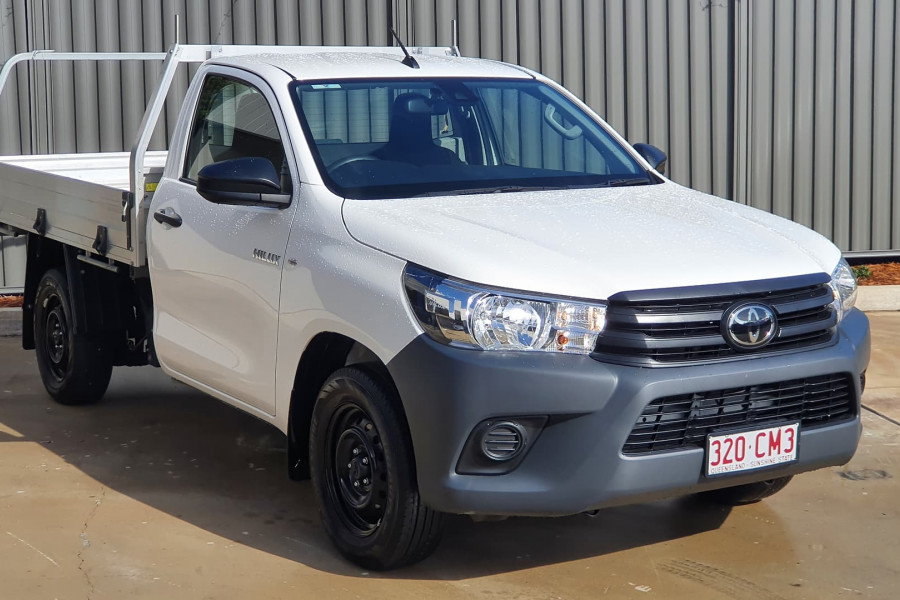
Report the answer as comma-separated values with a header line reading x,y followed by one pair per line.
x,y
747,493
75,369
363,474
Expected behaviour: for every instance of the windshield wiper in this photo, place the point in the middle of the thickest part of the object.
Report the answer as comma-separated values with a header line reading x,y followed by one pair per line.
x,y
498,189
627,182
503,189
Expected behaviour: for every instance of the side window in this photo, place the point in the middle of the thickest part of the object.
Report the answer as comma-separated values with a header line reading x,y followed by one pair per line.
x,y
233,120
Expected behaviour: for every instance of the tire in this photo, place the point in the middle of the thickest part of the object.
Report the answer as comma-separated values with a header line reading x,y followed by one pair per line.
x,y
748,493
363,474
75,369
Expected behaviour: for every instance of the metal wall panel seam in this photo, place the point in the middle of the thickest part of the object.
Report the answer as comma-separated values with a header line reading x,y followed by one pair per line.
x,y
424,25
843,119
657,81
491,29
679,165
762,103
333,23
550,12
151,24
782,107
311,23
803,150
243,21
572,46
62,91
509,18
23,84
823,126
882,110
109,78
467,14
616,102
445,11
87,110
529,32
44,86
741,115
266,22
376,31
131,39
895,184
636,70
594,56
722,57
861,170
287,26
701,97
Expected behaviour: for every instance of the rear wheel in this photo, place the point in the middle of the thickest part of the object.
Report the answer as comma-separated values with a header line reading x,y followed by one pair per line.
x,y
75,369
747,493
364,475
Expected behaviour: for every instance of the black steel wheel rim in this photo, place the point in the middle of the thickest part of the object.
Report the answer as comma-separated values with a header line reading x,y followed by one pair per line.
x,y
56,337
355,470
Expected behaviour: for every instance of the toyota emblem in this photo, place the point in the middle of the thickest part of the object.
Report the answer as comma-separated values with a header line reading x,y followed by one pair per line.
x,y
749,326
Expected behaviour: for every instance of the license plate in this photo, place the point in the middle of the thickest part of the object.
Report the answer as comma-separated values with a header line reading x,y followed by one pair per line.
x,y
748,450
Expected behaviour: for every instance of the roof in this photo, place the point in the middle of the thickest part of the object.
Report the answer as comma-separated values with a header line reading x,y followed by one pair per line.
x,y
341,63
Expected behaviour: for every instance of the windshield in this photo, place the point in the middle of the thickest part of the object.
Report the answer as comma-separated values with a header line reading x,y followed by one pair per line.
x,y
402,138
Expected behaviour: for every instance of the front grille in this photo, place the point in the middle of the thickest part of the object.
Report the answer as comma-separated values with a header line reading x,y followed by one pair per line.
x,y
684,421
688,329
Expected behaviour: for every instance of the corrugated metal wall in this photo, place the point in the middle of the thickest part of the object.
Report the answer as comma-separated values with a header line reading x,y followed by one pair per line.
x,y
818,117
788,105
99,107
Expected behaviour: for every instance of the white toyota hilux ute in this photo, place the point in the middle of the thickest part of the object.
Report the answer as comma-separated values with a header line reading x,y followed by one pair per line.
x,y
449,283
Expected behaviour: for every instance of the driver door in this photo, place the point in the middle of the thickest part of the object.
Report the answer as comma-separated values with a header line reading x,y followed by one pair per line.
x,y
216,268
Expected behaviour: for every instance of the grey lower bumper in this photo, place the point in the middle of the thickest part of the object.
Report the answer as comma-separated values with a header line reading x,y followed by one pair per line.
x,y
577,463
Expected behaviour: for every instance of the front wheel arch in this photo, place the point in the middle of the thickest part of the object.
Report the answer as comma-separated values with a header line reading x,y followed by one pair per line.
x,y
326,353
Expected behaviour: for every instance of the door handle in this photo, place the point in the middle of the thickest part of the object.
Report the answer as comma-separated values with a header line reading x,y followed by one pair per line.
x,y
173,219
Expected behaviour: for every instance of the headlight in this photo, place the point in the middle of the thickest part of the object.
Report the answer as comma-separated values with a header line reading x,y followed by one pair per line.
x,y
843,286
458,313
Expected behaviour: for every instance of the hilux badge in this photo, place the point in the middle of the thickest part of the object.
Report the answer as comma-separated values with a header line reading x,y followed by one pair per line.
x,y
266,257
749,326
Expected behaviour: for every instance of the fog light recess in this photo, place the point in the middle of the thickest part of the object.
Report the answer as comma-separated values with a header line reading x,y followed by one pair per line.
x,y
498,445
504,440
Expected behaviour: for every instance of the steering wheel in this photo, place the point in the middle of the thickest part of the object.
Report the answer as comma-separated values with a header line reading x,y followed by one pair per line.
x,y
350,159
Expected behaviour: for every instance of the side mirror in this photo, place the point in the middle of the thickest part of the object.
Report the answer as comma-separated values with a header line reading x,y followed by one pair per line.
x,y
653,155
251,181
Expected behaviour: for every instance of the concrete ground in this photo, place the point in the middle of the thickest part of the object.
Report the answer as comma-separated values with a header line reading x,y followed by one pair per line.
x,y
160,492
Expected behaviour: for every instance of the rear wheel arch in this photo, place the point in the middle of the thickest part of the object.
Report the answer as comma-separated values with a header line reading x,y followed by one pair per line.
x,y
112,307
43,254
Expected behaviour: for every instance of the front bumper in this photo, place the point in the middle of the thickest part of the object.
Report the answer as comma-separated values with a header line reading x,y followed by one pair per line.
x,y
577,463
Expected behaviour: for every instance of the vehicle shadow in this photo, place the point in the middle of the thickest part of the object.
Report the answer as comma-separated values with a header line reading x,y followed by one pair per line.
x,y
181,452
